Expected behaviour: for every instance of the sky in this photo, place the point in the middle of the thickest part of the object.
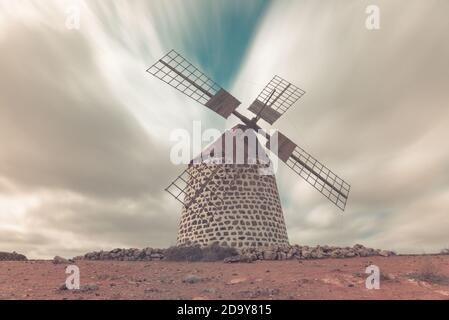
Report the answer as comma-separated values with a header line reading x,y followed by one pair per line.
x,y
85,131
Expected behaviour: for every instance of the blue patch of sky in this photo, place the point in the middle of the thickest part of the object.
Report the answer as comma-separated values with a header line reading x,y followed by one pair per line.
x,y
224,53
217,36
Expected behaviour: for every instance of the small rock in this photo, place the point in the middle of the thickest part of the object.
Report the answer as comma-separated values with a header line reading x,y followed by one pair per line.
x,y
237,280
247,258
191,278
210,290
385,253
62,287
232,259
156,256
89,288
367,264
259,293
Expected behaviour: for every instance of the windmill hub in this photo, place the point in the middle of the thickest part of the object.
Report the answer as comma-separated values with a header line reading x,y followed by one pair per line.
x,y
230,201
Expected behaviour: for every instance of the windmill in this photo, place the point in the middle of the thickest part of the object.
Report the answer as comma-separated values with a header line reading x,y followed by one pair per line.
x,y
232,203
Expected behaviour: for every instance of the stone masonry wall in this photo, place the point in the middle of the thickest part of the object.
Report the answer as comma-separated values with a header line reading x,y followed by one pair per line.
x,y
241,209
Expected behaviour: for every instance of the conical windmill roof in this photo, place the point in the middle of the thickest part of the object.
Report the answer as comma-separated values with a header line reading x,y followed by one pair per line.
x,y
238,145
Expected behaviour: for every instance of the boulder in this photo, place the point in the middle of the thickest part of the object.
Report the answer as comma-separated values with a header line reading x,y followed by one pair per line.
x,y
350,254
269,255
306,254
364,253
60,260
156,256
335,254
281,256
386,253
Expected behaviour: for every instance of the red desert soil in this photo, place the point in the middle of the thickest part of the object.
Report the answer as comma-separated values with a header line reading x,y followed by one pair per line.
x,y
311,279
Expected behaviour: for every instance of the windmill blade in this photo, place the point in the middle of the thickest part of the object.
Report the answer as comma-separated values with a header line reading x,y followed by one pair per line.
x,y
271,109
187,187
184,184
176,71
193,181
311,170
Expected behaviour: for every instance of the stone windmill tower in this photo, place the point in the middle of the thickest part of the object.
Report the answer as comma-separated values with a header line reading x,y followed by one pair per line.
x,y
228,192
240,206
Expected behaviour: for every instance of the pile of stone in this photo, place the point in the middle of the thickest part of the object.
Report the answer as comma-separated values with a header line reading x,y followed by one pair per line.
x,y
306,252
133,254
248,254
14,256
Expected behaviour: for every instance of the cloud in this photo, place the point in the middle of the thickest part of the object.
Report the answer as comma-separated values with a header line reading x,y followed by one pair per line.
x,y
88,223
75,137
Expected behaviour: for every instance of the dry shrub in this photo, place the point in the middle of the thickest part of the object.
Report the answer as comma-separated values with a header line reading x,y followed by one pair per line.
x,y
217,253
196,253
14,256
430,275
188,253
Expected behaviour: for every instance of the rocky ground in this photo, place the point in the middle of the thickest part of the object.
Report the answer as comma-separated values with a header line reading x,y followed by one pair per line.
x,y
402,277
